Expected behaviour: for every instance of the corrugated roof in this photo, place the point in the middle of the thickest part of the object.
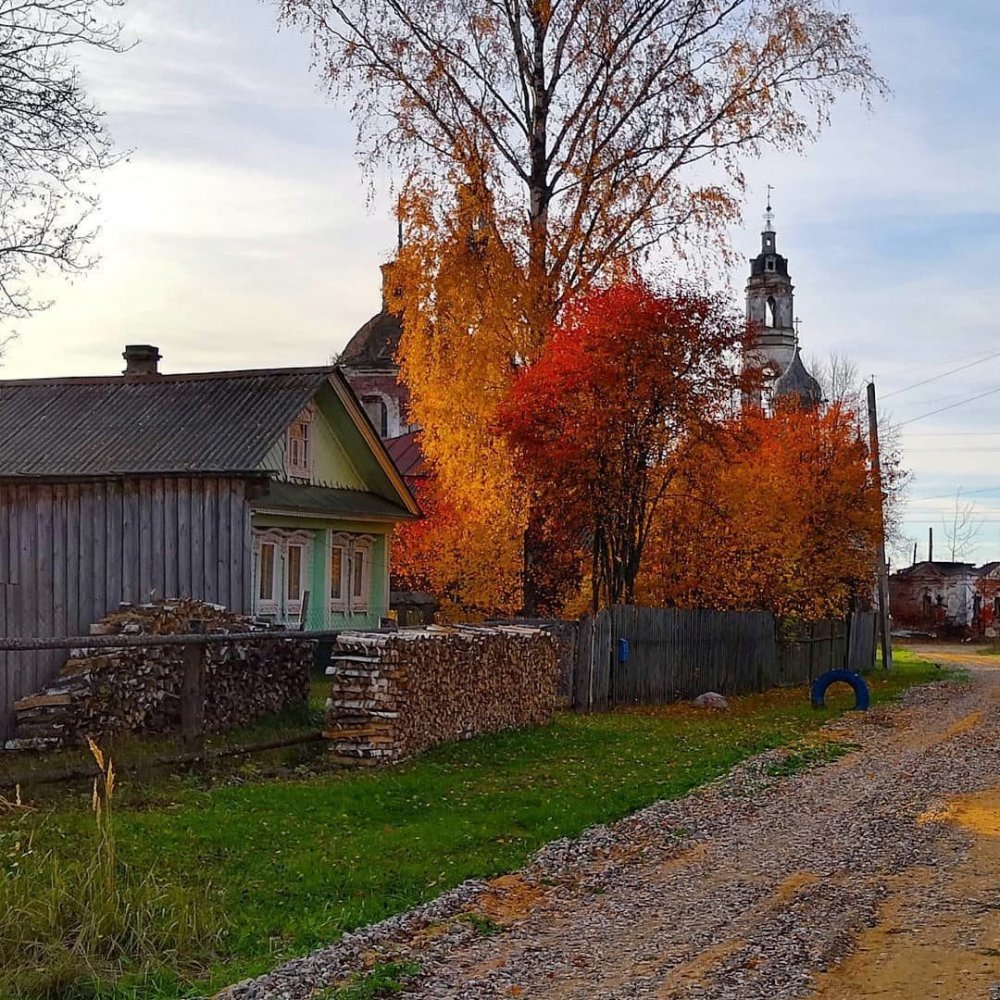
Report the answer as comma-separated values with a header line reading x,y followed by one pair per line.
x,y
326,500
210,422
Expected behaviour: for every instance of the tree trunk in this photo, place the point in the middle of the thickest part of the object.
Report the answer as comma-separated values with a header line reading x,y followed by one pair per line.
x,y
542,308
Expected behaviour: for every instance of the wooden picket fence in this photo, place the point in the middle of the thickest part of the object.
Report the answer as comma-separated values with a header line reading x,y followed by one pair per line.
x,y
630,655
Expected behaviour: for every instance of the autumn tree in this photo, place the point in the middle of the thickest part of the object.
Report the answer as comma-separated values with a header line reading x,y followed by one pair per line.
x,y
789,521
470,564
842,385
52,141
579,135
628,380
961,528
581,119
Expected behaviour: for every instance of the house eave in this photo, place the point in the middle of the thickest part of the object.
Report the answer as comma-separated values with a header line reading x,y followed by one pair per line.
x,y
333,515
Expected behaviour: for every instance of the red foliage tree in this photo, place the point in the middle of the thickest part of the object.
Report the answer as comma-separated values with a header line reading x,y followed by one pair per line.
x,y
599,418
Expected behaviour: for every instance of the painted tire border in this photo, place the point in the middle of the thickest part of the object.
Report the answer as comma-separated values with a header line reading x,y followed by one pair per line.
x,y
862,698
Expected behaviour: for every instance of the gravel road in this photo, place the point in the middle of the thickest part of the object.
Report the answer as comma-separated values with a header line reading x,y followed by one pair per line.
x,y
874,875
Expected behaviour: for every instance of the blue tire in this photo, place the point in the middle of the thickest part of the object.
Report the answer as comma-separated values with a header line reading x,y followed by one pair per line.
x,y
861,696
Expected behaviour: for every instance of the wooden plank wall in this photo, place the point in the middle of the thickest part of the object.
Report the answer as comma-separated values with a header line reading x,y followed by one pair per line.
x,y
674,655
70,553
671,655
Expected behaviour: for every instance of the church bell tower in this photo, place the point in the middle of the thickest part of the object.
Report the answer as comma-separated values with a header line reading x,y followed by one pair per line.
x,y
771,315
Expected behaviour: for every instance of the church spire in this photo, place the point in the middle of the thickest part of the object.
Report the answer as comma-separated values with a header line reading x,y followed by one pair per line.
x,y
768,241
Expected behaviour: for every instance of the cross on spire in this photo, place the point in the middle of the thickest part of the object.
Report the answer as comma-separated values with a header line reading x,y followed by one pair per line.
x,y
798,328
769,217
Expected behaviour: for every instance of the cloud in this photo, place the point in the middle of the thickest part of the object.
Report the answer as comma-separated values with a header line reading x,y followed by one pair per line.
x,y
241,232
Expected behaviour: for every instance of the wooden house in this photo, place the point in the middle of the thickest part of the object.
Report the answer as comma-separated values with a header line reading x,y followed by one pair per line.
x,y
245,488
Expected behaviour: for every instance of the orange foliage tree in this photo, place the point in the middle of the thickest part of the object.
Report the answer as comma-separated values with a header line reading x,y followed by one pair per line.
x,y
628,380
545,146
462,560
579,120
787,522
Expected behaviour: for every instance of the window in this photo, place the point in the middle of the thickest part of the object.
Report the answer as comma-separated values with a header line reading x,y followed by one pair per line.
x,y
338,573
769,264
350,572
266,555
378,414
996,607
295,564
361,574
281,565
772,312
298,456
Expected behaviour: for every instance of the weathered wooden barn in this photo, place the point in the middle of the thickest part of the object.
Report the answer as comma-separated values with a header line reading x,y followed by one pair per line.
x,y
247,489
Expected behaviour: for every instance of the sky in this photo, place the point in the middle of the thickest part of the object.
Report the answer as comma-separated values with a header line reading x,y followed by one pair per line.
x,y
242,232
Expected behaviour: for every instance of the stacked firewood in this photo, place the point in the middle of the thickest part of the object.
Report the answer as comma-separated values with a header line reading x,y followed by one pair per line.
x,y
138,689
392,695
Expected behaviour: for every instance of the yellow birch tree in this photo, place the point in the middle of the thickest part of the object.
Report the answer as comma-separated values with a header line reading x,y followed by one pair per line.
x,y
543,145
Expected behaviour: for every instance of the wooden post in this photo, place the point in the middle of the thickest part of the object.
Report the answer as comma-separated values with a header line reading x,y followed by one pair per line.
x,y
193,692
881,571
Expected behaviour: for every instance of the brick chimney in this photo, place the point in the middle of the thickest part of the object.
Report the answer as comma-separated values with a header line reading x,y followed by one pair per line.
x,y
141,359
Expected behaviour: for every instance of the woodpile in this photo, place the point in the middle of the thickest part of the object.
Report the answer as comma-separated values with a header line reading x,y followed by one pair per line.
x,y
392,695
137,689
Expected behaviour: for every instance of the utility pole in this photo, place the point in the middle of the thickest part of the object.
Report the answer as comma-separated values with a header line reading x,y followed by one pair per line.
x,y
930,545
881,570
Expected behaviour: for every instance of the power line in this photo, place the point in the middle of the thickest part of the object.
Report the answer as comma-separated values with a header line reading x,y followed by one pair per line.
x,y
955,434
934,378
944,409
964,493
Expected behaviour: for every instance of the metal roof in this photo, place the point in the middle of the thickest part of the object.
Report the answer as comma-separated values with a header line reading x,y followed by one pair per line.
x,y
375,344
169,424
796,381
405,452
328,501
937,569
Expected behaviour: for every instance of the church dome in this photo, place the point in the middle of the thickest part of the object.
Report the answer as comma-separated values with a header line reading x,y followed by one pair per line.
x,y
796,382
376,343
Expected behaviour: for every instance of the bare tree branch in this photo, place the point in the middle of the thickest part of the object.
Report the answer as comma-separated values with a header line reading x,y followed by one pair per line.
x,y
52,140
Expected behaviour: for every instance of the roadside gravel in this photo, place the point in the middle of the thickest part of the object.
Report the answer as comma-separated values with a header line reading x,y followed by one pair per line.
x,y
746,889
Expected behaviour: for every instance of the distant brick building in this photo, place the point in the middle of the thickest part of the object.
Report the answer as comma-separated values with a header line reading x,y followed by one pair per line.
x,y
369,365
947,597
368,362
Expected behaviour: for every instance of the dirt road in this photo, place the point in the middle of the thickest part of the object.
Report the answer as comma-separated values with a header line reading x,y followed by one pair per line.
x,y
876,875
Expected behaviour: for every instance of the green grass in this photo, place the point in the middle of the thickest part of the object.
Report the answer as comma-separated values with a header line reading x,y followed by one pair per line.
x,y
381,981
297,862
807,756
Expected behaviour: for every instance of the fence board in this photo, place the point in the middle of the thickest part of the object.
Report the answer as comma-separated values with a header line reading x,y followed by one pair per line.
x,y
680,654
861,641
